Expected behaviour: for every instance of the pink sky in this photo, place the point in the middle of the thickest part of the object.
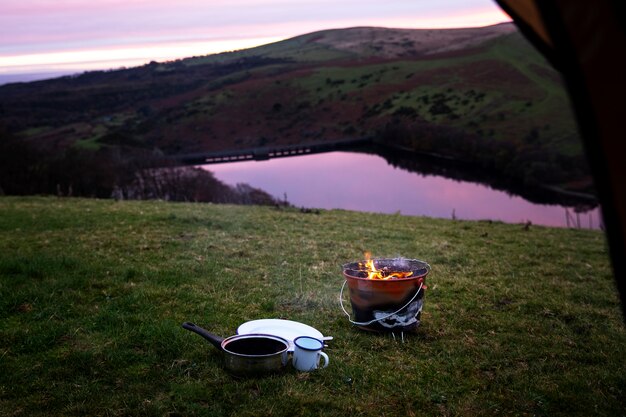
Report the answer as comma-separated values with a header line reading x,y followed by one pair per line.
x,y
74,35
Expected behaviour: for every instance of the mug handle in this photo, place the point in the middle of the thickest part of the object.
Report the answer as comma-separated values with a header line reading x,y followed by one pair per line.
x,y
325,356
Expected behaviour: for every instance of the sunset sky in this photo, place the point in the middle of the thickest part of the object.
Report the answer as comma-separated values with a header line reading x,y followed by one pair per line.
x,y
65,36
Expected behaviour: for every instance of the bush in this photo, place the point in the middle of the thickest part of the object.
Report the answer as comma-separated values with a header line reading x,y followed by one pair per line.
x,y
121,173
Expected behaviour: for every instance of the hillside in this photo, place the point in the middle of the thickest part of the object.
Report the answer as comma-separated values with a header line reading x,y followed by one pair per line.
x,y
483,95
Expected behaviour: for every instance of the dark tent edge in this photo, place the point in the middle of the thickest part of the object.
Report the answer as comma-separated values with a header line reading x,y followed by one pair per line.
x,y
588,49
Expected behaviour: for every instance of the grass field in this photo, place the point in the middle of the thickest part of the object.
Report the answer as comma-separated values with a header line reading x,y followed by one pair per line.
x,y
93,294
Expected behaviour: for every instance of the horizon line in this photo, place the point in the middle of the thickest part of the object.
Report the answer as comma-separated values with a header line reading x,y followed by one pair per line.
x,y
127,56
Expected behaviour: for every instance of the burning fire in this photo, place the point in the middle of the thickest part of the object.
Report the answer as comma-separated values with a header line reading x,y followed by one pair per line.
x,y
383,273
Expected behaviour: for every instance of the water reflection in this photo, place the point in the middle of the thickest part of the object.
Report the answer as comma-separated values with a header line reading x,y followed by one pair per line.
x,y
365,182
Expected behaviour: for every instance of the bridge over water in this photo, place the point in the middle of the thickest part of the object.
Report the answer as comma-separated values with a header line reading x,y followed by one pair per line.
x,y
268,152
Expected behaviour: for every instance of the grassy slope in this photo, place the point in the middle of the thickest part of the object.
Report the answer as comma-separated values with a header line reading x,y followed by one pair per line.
x,y
223,101
339,78
92,295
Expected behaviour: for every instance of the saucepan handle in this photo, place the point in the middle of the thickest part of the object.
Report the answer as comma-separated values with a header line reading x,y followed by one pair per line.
x,y
214,339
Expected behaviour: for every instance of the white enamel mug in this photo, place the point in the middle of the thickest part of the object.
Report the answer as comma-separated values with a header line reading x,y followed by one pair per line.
x,y
307,353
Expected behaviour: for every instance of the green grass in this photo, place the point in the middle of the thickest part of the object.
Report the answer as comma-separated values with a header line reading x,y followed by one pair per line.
x,y
91,143
93,293
34,131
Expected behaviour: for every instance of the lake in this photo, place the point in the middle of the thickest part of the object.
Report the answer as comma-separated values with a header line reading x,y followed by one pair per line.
x,y
366,182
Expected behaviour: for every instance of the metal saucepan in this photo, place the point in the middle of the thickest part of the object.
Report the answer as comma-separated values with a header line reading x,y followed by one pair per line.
x,y
248,354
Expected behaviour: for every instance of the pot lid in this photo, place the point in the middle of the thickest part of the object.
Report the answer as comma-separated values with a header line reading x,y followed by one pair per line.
x,y
286,329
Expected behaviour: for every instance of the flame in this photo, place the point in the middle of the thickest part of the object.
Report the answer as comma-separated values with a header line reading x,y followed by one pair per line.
x,y
384,273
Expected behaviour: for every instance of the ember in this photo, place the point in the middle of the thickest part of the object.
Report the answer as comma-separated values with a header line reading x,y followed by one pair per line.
x,y
392,271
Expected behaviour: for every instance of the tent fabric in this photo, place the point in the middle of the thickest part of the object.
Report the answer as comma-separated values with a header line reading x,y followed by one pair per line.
x,y
586,41
528,19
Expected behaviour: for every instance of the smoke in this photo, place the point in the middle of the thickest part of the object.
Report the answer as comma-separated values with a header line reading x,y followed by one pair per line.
x,y
401,262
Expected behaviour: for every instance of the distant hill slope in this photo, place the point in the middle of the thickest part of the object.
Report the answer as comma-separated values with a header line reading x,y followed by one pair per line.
x,y
483,95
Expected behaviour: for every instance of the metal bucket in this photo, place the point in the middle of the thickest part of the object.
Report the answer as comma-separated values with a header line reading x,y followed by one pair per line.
x,y
385,305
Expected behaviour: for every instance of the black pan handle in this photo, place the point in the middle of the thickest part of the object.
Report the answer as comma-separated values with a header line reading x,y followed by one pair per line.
x,y
214,339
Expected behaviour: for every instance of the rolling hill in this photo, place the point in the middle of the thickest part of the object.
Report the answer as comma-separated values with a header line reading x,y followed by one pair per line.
x,y
481,95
